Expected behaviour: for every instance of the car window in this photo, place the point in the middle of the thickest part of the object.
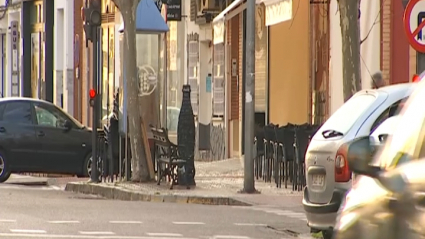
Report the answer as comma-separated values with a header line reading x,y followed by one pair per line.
x,y
2,107
18,112
345,117
48,116
391,111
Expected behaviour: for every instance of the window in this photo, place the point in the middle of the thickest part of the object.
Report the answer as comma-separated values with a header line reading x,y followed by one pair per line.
x,y
390,112
18,112
218,81
345,117
49,117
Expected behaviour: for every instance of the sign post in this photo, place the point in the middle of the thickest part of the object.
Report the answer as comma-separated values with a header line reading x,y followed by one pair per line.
x,y
414,23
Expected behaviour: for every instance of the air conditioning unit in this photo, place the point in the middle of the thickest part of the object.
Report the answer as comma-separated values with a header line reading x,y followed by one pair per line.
x,y
205,6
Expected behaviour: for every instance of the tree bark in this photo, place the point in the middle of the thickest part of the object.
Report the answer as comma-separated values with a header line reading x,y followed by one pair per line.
x,y
140,171
350,32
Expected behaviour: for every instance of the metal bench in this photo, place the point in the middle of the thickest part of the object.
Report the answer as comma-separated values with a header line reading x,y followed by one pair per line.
x,y
168,161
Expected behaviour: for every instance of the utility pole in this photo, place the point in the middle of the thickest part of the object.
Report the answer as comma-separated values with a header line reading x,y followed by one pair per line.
x,y
92,21
249,183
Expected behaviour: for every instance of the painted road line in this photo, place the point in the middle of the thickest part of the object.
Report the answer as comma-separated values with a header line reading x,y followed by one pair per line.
x,y
7,221
154,234
95,233
189,223
58,236
28,231
63,222
125,222
250,224
56,187
230,237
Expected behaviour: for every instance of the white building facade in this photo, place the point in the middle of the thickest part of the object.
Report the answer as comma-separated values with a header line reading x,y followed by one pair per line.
x,y
10,37
64,38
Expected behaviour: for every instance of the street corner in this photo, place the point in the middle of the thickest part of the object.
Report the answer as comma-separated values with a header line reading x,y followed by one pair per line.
x,y
25,180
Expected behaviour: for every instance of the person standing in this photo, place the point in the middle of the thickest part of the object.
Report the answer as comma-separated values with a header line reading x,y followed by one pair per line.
x,y
377,80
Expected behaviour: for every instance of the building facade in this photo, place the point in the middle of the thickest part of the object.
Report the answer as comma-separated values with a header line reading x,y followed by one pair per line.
x,y
30,74
384,47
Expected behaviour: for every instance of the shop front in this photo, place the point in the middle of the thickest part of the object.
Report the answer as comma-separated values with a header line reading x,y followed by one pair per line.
x,y
38,64
230,33
108,84
289,67
150,29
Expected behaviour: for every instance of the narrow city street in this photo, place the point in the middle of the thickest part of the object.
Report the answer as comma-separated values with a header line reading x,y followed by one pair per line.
x,y
49,212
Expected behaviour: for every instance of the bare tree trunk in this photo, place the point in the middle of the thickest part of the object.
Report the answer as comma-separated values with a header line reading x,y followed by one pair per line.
x,y
140,171
350,32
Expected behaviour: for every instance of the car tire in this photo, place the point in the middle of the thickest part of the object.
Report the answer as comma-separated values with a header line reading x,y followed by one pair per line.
x,y
327,234
4,168
86,164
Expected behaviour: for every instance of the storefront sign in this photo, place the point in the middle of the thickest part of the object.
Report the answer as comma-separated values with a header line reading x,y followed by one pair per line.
x,y
147,80
218,28
208,84
14,30
174,10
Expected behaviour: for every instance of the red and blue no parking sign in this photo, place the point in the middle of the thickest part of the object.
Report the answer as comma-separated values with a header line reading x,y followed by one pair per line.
x,y
414,24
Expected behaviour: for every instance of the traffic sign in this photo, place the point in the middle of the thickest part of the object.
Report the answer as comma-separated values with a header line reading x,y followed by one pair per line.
x,y
414,23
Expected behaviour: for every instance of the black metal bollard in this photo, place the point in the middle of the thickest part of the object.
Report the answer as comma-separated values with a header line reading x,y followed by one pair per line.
x,y
186,138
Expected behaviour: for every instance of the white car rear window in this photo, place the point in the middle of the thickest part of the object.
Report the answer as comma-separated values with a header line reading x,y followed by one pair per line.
x,y
345,117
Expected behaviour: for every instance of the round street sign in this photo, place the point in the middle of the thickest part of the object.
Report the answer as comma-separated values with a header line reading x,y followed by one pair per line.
x,y
414,23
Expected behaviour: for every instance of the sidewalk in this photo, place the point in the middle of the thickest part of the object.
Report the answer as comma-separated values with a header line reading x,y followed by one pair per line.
x,y
217,183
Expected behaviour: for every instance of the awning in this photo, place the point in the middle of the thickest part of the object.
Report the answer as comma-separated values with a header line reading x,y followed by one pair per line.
x,y
218,21
276,11
148,18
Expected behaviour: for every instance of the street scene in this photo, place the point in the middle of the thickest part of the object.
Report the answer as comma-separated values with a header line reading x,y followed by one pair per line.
x,y
206,119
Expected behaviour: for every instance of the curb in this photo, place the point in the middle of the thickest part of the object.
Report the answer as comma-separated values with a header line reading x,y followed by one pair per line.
x,y
110,192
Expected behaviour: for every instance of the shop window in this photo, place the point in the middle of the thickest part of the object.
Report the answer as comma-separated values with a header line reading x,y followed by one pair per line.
x,y
218,81
261,52
193,73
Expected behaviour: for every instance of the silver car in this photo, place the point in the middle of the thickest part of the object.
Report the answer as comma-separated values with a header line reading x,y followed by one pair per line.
x,y
327,174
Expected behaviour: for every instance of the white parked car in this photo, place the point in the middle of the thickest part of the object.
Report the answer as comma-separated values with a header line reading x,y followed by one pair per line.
x,y
327,174
379,136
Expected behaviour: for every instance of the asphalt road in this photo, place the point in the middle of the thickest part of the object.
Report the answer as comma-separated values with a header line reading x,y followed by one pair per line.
x,y
49,212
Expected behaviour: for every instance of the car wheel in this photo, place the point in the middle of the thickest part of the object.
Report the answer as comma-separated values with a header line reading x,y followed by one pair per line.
x,y
87,167
4,168
327,234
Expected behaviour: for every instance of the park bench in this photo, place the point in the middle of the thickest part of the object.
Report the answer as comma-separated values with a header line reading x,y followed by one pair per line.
x,y
169,164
